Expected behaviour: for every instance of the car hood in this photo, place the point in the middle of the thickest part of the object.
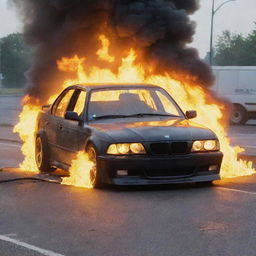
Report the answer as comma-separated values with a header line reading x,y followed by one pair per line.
x,y
161,130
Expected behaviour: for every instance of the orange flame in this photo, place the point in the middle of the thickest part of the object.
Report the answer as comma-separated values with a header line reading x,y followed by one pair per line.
x,y
188,97
103,52
26,129
79,172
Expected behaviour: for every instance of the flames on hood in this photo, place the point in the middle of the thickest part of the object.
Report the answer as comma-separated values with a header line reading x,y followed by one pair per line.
x,y
118,41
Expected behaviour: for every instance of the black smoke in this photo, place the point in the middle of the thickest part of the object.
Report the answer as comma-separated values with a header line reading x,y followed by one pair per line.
x,y
159,30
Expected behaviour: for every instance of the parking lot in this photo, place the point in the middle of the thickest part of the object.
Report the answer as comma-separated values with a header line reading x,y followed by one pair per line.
x,y
40,218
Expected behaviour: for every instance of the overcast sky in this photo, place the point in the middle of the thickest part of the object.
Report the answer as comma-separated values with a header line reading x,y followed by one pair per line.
x,y
238,16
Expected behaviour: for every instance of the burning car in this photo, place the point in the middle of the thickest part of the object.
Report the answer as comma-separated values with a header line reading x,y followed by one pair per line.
x,y
133,134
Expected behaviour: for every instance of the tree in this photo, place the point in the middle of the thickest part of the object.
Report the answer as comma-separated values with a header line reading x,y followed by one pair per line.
x,y
235,49
15,58
251,44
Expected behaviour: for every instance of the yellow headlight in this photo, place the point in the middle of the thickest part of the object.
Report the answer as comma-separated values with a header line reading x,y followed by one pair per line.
x,y
197,146
210,145
112,150
137,148
126,148
123,148
205,145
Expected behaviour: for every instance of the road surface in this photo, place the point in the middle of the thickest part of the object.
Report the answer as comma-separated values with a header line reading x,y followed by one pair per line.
x,y
40,218
174,220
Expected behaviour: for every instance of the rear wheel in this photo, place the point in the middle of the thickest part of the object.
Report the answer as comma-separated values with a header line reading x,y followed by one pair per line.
x,y
239,115
42,155
95,176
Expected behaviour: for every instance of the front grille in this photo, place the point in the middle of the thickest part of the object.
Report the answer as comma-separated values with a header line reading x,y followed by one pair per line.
x,y
179,147
159,148
169,148
175,172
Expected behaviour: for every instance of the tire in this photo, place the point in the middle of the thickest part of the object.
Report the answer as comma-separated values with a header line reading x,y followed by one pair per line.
x,y
95,174
42,154
239,115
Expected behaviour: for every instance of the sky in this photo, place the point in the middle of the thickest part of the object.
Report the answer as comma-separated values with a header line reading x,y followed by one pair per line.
x,y
237,16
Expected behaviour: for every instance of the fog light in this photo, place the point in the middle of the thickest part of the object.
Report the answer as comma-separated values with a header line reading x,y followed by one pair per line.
x,y
122,172
213,167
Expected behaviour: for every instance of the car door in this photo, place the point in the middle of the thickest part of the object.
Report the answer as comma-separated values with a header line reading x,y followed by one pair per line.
x,y
72,134
55,124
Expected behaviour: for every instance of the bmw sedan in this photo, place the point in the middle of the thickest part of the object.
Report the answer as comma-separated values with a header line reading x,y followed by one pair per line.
x,y
134,134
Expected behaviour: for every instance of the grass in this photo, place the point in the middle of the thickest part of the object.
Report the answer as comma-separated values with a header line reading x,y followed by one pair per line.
x,y
11,91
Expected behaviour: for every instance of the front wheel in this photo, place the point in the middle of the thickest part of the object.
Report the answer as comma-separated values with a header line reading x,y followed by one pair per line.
x,y
95,176
42,155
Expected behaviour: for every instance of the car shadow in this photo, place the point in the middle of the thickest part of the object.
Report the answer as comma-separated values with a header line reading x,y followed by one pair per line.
x,y
138,188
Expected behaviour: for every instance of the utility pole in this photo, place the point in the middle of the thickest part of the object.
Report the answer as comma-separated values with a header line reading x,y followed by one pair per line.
x,y
214,11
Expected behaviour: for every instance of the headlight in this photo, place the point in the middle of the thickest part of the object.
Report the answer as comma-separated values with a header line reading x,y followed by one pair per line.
x,y
197,146
205,145
126,148
137,148
123,148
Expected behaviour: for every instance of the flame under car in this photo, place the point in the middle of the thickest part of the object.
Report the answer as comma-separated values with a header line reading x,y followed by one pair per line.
x,y
134,135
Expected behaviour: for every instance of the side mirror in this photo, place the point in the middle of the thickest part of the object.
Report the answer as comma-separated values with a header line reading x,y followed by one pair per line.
x,y
70,115
191,114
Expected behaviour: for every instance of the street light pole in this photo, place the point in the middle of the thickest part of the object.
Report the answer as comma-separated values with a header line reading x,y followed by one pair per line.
x,y
214,11
211,39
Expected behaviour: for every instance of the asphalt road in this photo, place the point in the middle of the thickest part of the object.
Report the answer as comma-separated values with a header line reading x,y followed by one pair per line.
x,y
10,107
40,218
163,220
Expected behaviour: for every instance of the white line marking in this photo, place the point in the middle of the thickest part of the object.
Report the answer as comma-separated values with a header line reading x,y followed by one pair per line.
x,y
10,145
237,190
11,235
29,246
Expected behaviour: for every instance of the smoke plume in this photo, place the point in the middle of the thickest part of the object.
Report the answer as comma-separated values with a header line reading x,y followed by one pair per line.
x,y
159,31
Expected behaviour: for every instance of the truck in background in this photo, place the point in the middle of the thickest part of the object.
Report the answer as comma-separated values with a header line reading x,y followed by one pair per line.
x,y
237,84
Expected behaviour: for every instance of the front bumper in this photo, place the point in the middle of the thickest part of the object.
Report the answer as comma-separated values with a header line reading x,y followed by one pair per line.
x,y
153,170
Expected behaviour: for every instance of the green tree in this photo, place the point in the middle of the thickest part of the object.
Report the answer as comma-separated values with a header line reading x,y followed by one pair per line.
x,y
251,45
235,49
15,59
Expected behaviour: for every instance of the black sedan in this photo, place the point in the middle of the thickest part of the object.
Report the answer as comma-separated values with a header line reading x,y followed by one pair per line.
x,y
135,135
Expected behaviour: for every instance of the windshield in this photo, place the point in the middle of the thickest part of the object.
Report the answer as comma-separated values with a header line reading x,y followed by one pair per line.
x,y
139,102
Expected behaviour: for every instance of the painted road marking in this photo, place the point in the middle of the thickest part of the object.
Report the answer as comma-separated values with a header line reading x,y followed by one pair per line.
x,y
237,190
29,246
10,145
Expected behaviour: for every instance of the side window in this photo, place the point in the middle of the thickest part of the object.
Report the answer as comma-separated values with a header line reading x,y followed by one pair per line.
x,y
61,107
79,106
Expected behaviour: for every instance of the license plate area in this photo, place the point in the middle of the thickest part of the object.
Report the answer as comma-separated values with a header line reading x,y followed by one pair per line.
x,y
170,169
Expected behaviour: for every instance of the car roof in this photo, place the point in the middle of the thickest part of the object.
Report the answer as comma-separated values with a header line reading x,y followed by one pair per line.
x,y
111,86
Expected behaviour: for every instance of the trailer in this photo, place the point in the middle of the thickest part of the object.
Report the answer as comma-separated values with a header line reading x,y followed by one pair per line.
x,y
237,84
